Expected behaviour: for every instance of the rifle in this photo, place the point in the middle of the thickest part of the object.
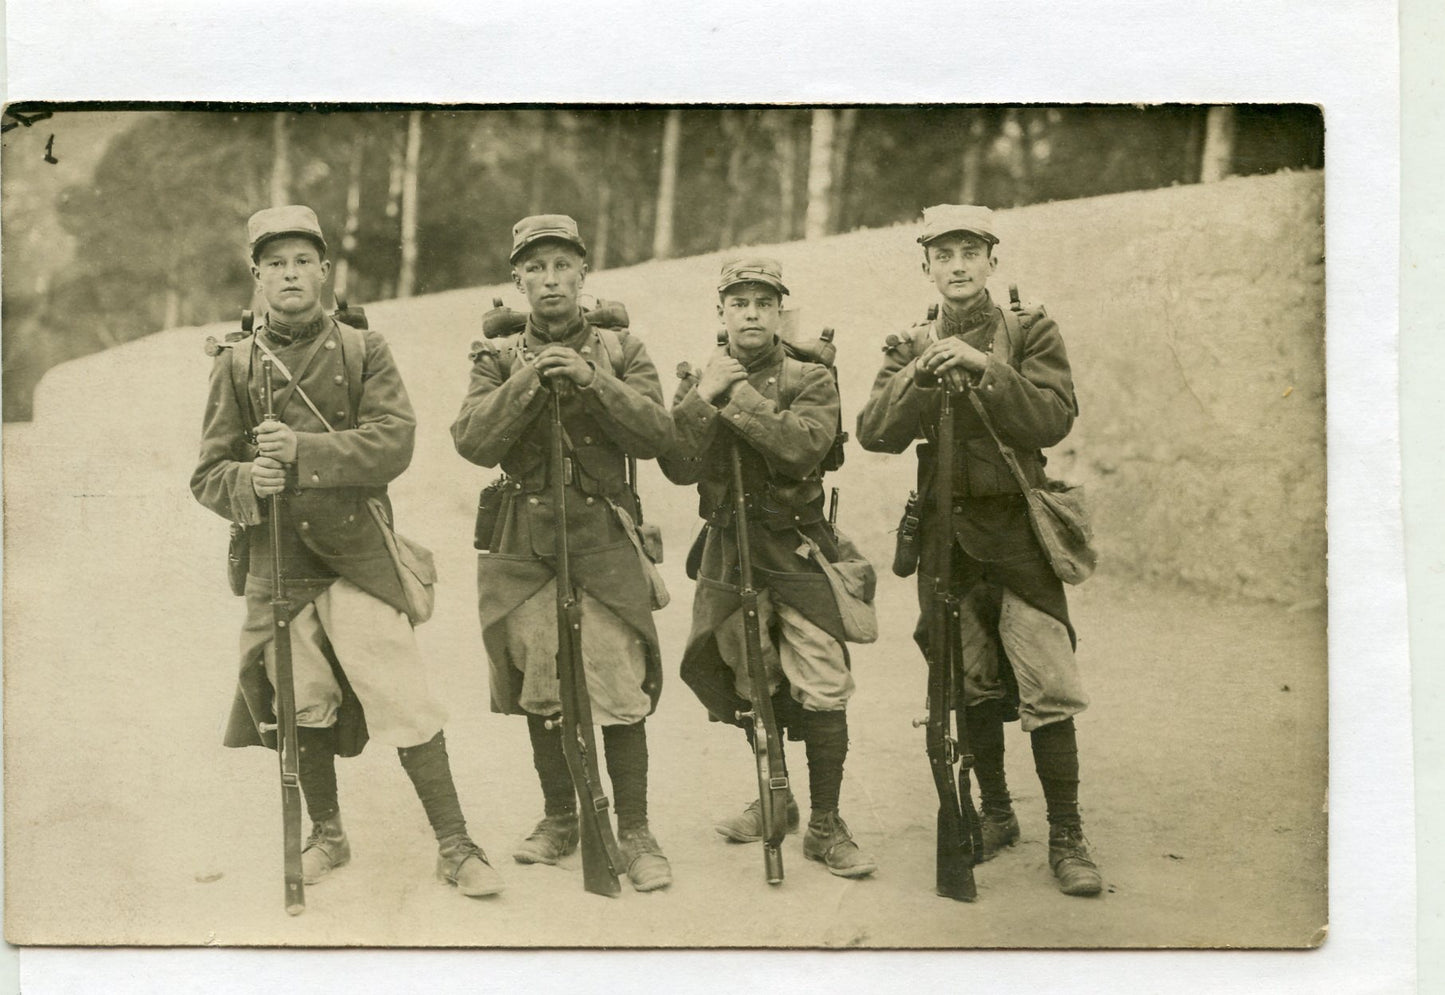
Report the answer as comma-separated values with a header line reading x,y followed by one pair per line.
x,y
600,856
767,746
960,834
285,728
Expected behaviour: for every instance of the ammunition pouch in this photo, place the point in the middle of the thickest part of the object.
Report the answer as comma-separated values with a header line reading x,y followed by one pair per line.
x,y
238,559
489,511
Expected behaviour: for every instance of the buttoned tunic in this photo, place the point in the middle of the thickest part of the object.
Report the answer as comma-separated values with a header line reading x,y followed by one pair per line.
x,y
1031,402
781,442
327,530
505,421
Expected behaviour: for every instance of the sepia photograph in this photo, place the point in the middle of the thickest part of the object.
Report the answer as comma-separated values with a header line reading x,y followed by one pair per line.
x,y
807,526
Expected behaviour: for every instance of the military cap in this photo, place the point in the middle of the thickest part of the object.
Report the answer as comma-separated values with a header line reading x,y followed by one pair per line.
x,y
539,226
752,269
946,219
276,222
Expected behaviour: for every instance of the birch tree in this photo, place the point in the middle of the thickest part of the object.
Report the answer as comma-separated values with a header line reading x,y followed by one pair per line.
x,y
667,185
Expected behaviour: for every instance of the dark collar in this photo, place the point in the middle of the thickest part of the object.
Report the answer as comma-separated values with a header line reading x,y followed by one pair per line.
x,y
768,357
961,320
281,334
574,327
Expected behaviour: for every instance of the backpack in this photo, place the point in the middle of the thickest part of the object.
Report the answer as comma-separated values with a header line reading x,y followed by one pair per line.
x,y
824,352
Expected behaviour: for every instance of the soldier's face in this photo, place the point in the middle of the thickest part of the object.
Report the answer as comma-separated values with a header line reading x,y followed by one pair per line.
x,y
291,274
551,274
752,313
960,266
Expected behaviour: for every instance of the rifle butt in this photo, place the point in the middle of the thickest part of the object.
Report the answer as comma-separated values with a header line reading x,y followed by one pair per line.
x,y
599,876
955,869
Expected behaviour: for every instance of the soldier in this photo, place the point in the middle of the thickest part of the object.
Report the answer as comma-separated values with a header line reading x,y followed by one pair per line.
x,y
1014,613
343,431
783,415
613,410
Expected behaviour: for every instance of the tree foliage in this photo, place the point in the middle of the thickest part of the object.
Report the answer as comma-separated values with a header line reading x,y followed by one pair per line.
x,y
159,228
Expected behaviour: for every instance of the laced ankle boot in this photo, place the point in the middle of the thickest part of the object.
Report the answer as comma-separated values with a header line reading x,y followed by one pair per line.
x,y
327,848
626,749
460,861
1056,759
556,835
984,722
747,825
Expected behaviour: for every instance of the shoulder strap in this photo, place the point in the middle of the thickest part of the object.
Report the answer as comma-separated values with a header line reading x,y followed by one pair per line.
x,y
611,344
789,378
240,370
1013,334
353,355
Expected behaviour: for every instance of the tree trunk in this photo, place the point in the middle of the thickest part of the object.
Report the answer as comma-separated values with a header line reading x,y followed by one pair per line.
x,y
1217,162
602,244
172,317
406,279
785,147
353,217
971,162
280,161
847,121
737,130
820,174
537,186
667,185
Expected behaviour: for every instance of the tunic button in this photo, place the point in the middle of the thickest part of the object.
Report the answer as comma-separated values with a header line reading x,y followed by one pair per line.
x,y
531,500
331,343
315,478
772,379
587,439
305,526
338,379
589,500
738,416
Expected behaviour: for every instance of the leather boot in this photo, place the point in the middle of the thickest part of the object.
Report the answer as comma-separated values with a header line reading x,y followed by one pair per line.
x,y
326,849
646,866
1071,862
462,863
554,837
747,825
829,841
1000,829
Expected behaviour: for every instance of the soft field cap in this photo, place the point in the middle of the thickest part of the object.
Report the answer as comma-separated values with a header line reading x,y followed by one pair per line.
x,y
539,226
946,219
275,222
752,269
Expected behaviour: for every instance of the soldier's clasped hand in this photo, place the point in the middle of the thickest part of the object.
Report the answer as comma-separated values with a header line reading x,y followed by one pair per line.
x,y
555,361
276,440
719,376
268,476
952,353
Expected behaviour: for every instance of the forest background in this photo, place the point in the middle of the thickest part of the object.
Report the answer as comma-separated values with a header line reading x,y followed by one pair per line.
x,y
122,221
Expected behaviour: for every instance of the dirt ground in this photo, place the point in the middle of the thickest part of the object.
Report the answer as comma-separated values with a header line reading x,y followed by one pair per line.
x,y
1203,753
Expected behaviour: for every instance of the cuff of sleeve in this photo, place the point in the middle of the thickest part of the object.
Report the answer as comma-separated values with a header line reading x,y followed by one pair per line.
x,y
743,404
994,378
693,408
245,506
312,467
